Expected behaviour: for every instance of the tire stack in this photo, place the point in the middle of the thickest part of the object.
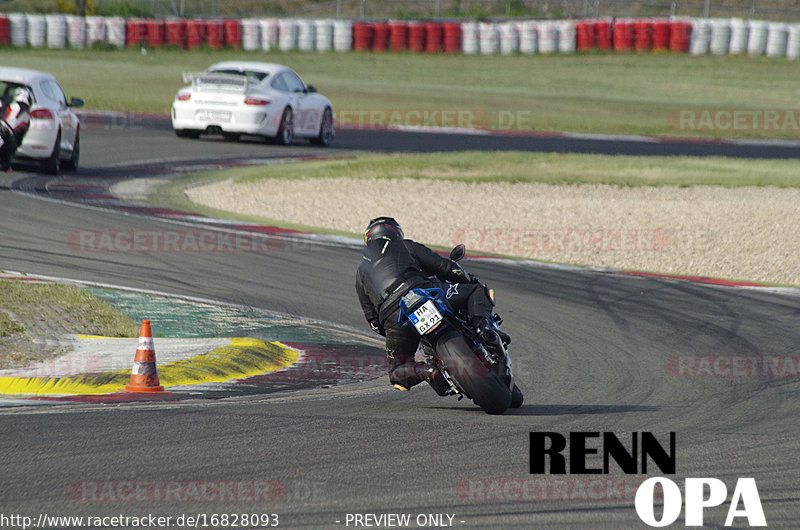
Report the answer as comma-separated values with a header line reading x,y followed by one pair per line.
x,y
694,36
5,30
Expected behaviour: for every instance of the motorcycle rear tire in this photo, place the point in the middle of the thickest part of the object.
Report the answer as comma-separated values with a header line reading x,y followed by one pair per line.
x,y
517,399
472,376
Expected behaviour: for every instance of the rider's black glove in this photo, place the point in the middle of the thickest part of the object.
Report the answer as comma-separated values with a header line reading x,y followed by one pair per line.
x,y
377,328
459,275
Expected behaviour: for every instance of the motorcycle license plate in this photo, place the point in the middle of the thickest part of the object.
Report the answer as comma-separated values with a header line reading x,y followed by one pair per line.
x,y
426,317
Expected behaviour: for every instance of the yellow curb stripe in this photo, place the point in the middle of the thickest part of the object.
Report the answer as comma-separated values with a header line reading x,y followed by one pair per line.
x,y
243,357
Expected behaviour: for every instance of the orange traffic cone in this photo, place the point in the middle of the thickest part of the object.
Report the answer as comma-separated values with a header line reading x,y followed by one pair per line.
x,y
144,374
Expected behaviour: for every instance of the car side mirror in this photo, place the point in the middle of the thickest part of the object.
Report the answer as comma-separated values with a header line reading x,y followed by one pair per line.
x,y
76,102
311,88
458,253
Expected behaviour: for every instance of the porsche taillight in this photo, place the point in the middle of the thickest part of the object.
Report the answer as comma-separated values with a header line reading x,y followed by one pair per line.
x,y
256,101
183,97
43,114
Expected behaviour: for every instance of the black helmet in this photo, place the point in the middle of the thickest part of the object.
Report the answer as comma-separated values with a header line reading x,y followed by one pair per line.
x,y
382,228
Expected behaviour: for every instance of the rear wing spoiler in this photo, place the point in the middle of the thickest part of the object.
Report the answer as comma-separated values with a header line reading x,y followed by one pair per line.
x,y
214,81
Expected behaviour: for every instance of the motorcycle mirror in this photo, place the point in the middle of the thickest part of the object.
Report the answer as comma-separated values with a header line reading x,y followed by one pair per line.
x,y
458,253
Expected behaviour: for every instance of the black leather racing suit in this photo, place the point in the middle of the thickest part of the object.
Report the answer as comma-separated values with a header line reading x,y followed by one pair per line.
x,y
388,270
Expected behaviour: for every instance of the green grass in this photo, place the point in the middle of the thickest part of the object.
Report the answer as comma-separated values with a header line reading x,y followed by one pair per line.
x,y
75,307
9,327
609,93
549,168
43,310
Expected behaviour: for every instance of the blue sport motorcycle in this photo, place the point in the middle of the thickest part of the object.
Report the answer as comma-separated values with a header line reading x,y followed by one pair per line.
x,y
472,368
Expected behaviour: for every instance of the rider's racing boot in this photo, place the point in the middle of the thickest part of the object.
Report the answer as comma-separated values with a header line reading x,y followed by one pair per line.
x,y
437,381
424,373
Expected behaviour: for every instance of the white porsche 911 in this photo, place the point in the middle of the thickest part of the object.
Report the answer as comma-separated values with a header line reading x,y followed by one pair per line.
x,y
263,99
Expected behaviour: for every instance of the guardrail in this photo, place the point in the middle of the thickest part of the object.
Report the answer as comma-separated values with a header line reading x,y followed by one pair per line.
x,y
695,36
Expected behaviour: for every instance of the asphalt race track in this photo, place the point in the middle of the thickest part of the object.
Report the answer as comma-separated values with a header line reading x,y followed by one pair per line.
x,y
417,141
592,351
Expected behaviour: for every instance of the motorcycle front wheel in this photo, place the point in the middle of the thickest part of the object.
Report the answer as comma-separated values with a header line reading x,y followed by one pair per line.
x,y
471,375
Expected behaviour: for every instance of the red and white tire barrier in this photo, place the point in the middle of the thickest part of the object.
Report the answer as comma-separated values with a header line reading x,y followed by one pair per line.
x,y
695,36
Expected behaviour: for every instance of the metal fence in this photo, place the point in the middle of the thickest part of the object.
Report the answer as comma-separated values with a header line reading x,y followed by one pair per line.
x,y
784,10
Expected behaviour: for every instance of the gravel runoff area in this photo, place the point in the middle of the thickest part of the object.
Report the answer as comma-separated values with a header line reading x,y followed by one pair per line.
x,y
736,233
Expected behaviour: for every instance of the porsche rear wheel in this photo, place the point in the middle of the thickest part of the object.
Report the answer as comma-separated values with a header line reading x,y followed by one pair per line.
x,y
286,128
72,163
52,164
326,129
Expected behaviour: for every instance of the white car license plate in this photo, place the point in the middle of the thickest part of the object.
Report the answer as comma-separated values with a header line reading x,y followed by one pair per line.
x,y
212,115
426,317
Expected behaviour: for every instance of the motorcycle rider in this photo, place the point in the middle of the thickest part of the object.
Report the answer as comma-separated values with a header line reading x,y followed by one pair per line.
x,y
16,119
392,266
